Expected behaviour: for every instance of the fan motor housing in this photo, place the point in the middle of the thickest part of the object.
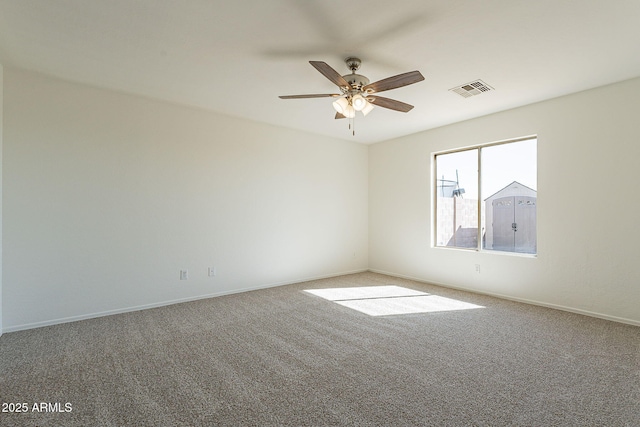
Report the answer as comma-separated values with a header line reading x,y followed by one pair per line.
x,y
356,81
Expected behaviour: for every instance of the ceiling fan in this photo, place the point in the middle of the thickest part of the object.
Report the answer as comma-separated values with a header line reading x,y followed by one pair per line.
x,y
357,94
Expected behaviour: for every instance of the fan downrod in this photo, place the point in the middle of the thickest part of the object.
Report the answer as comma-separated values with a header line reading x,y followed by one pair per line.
x,y
356,81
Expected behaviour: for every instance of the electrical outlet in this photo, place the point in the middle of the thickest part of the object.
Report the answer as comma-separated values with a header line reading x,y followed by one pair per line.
x,y
212,271
184,274
478,268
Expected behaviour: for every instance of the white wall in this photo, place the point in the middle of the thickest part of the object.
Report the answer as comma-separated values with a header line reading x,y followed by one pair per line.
x,y
588,208
107,196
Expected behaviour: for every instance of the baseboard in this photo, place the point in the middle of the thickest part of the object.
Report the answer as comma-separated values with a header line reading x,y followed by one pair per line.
x,y
52,322
516,299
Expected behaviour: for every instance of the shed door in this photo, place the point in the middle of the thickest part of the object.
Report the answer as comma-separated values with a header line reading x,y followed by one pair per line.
x,y
503,219
514,224
525,218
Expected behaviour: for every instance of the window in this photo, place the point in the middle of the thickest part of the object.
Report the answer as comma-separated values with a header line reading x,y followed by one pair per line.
x,y
486,197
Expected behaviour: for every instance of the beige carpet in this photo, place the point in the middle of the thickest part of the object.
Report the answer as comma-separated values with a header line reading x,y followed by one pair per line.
x,y
284,356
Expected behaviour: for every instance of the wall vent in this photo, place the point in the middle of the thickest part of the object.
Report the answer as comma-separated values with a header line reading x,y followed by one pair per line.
x,y
475,87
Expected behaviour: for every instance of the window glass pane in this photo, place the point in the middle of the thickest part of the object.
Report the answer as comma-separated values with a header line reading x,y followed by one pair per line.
x,y
457,199
509,192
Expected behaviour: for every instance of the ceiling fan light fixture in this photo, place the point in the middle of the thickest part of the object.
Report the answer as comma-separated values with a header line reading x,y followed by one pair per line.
x,y
359,102
349,112
367,108
340,105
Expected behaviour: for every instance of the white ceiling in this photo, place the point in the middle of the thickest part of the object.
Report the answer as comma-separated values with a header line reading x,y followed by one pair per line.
x,y
236,57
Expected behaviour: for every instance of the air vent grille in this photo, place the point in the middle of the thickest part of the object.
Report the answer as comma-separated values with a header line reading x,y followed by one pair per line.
x,y
475,87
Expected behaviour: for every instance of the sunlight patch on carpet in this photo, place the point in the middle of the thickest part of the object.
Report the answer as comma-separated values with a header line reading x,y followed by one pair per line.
x,y
390,300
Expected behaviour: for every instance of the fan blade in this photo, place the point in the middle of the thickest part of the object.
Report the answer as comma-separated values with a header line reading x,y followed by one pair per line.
x,y
391,104
317,95
330,73
394,82
339,116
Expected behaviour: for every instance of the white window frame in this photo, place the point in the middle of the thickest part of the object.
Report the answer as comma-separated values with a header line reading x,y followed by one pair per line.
x,y
434,189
